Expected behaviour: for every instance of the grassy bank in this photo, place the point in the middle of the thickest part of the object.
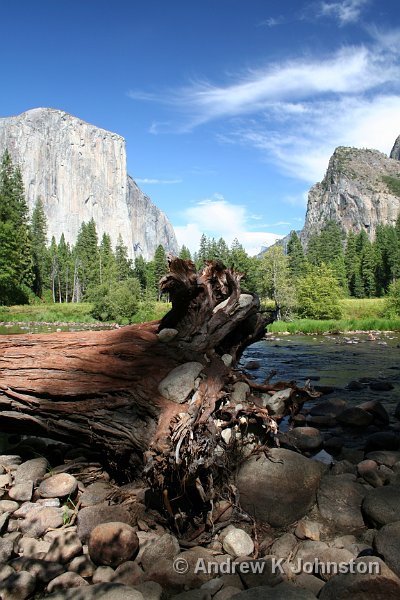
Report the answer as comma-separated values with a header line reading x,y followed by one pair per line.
x,y
358,315
72,313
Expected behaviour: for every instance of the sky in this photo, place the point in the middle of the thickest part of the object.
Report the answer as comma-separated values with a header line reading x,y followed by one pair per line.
x,y
230,108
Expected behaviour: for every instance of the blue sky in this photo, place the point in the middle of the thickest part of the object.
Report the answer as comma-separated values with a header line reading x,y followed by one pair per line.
x,y
230,108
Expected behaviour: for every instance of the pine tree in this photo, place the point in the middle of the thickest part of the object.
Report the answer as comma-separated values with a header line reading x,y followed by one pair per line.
x,y
39,248
123,263
297,259
107,262
65,270
184,253
160,266
15,241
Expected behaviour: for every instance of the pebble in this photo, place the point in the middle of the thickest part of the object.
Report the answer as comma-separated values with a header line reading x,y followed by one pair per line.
x,y
22,491
17,586
33,469
66,581
58,486
238,543
112,544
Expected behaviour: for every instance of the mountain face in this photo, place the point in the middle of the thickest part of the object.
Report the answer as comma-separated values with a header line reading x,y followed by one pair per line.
x,y
79,171
361,189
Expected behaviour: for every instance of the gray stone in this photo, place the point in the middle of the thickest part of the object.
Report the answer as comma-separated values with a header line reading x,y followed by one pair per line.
x,y
283,591
381,584
31,547
6,549
64,547
99,591
128,573
306,529
270,575
382,505
5,481
95,493
276,404
43,570
284,546
330,560
83,566
103,574
150,590
22,491
5,571
8,460
303,438
227,593
58,486
355,417
384,457
3,521
387,542
112,544
238,543
339,502
8,506
91,516
279,489
193,595
167,334
84,167
66,581
33,469
38,521
17,586
328,408
166,546
178,384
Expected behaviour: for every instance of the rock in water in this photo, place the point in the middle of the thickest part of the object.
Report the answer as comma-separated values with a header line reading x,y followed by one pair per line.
x,y
79,171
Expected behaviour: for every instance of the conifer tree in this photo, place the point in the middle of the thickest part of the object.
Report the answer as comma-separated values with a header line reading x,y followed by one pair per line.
x,y
297,259
123,263
184,253
39,248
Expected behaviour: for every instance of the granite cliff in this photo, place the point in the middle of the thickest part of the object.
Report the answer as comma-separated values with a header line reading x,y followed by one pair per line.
x,y
361,189
80,173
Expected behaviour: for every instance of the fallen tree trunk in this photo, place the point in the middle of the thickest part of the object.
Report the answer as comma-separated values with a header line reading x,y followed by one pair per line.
x,y
108,390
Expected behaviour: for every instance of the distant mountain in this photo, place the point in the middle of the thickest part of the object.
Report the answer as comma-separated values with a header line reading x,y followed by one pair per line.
x,y
361,189
80,173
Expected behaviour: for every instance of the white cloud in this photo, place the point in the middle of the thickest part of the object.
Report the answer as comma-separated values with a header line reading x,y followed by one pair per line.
x,y
216,217
347,11
272,21
158,181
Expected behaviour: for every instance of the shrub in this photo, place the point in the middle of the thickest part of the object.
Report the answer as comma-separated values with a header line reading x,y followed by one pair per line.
x,y
392,303
118,303
318,294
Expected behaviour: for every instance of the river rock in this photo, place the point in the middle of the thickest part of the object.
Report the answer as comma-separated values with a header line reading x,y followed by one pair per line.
x,y
128,573
58,486
33,469
43,570
91,516
112,544
238,543
384,457
310,530
355,417
6,549
150,590
166,546
167,334
17,586
380,385
383,584
283,591
377,410
382,440
37,521
339,502
64,547
279,489
10,460
31,547
99,591
240,391
96,493
303,438
330,561
382,505
276,404
284,545
8,506
66,581
178,384
387,543
328,408
22,491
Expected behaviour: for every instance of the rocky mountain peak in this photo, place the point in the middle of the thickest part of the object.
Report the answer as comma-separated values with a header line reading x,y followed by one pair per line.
x,y
359,191
79,171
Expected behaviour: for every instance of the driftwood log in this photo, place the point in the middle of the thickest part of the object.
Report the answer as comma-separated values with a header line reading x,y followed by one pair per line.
x,y
101,389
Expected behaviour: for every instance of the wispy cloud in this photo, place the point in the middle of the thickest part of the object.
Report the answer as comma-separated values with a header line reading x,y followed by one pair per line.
x,y
272,21
216,217
347,11
158,181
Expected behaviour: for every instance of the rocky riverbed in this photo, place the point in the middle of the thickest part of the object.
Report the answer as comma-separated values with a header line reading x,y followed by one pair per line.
x,y
318,516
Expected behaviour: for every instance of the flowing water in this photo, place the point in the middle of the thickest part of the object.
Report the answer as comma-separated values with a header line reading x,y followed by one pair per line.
x,y
331,360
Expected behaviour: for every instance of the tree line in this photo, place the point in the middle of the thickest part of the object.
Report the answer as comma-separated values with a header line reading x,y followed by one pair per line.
x,y
306,283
